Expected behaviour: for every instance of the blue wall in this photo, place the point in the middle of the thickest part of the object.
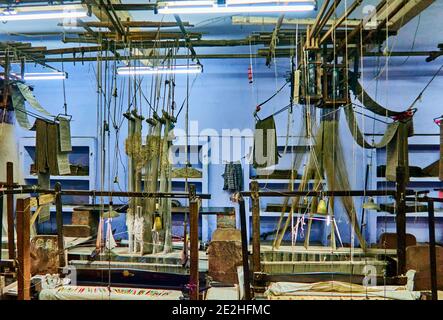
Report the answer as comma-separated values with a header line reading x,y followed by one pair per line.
x,y
222,98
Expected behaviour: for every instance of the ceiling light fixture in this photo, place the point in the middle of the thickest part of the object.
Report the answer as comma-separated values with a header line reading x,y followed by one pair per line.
x,y
43,13
196,68
45,76
234,6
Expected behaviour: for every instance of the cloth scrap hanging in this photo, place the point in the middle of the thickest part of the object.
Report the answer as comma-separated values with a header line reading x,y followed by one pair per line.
x,y
27,94
265,153
18,102
48,154
233,177
395,140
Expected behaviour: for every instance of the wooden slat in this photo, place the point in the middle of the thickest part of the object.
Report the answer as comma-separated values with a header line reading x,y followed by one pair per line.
x,y
256,265
193,234
136,24
23,249
411,9
59,219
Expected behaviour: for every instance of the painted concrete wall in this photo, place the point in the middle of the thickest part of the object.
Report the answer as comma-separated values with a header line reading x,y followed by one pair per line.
x,y
221,98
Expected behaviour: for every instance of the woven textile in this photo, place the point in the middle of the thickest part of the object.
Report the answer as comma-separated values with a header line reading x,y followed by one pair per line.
x,y
233,177
265,143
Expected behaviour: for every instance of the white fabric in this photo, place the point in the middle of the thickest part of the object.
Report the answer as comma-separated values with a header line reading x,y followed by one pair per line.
x,y
8,153
340,288
103,293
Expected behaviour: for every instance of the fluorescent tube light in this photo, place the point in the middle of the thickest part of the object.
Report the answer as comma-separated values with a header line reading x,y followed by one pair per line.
x,y
64,13
160,70
45,76
234,6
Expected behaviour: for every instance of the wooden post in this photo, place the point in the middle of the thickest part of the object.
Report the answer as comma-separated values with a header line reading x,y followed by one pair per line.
x,y
401,221
432,250
1,228
59,221
193,235
256,264
10,209
23,249
244,246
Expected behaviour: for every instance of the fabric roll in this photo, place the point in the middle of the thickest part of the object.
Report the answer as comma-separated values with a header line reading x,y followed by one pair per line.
x,y
265,144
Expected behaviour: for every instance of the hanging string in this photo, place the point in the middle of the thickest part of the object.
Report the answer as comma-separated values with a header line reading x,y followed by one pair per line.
x,y
65,106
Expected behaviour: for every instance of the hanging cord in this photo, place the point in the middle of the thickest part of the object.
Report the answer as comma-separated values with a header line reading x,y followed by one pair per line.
x,y
65,105
258,107
426,87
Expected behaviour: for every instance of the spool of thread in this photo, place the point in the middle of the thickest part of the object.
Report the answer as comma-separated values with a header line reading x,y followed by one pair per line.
x,y
322,207
157,224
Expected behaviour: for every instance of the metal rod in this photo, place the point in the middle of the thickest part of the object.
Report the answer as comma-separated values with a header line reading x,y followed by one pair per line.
x,y
339,193
432,250
94,193
245,254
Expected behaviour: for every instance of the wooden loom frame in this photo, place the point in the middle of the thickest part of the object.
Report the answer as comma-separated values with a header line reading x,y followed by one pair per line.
x,y
23,215
400,195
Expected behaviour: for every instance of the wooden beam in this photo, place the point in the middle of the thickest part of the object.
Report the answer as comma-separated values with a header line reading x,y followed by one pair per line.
x,y
143,35
59,220
401,220
136,24
432,250
342,45
141,57
274,40
193,236
318,18
411,9
134,6
326,18
262,21
179,43
122,15
245,253
256,263
341,21
10,210
23,249
112,17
